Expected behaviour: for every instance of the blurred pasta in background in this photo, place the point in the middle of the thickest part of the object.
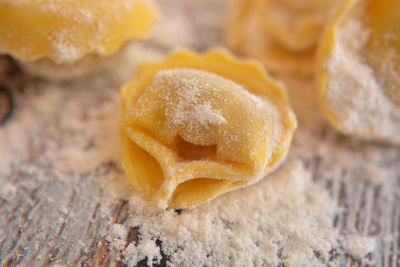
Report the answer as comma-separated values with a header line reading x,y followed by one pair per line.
x,y
283,34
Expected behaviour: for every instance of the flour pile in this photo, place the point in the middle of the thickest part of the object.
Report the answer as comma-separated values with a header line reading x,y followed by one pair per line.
x,y
61,181
283,219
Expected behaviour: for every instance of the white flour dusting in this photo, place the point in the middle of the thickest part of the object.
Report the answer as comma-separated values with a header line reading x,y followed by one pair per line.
x,y
117,236
357,246
66,52
284,218
66,135
189,108
354,94
147,249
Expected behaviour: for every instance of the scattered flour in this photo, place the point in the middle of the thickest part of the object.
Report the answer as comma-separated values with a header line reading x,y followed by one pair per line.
x,y
286,218
117,236
358,246
283,219
64,135
147,249
7,190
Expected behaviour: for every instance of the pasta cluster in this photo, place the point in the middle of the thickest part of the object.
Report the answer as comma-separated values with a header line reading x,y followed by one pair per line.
x,y
195,126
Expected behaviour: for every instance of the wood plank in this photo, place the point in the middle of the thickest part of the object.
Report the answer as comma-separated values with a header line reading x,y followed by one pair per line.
x,y
46,219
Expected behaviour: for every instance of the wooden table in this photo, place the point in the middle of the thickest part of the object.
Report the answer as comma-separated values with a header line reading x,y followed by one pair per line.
x,y
45,215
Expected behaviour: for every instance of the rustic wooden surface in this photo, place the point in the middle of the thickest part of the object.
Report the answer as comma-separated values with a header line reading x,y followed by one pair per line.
x,y
39,211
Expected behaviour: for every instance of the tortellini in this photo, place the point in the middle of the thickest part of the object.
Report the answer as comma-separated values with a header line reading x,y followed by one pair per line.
x,y
358,70
63,33
281,33
196,126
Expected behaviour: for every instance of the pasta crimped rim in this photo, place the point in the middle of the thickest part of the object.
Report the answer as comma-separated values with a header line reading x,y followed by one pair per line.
x,y
325,48
66,31
248,73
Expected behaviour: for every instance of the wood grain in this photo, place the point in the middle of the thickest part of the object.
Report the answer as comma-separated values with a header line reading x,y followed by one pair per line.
x,y
39,211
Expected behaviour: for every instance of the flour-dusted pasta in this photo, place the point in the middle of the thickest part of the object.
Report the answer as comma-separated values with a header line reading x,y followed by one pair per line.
x,y
282,34
383,49
358,70
196,126
64,33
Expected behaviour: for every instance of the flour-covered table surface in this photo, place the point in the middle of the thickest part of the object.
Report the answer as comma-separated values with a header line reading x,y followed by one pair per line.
x,y
65,200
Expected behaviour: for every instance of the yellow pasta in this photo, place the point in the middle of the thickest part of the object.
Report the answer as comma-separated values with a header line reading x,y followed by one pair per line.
x,y
196,126
282,34
358,69
65,31
384,45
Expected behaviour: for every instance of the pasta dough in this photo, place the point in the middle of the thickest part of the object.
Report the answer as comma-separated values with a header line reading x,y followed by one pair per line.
x,y
71,37
358,70
383,49
65,31
196,126
282,34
